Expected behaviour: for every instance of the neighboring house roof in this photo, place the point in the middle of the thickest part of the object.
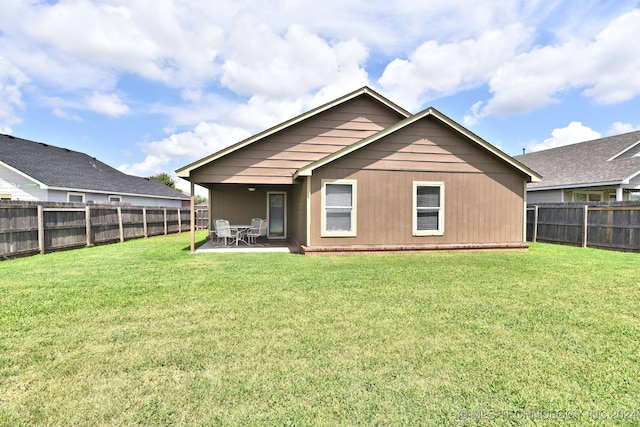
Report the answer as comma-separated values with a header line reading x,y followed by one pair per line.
x,y
184,171
613,160
63,169
532,176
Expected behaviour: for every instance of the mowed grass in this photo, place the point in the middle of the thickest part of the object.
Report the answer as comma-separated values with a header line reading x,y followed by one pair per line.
x,y
145,333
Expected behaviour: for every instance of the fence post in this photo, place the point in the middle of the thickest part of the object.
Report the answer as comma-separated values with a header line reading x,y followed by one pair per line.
x,y
535,224
179,220
87,220
585,223
144,222
609,221
120,226
40,230
165,222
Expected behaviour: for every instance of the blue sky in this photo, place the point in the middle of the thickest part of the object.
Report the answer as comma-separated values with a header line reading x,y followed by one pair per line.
x,y
148,86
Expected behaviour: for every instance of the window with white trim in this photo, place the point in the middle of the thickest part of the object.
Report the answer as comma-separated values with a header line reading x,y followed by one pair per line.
x,y
115,198
75,197
428,208
339,208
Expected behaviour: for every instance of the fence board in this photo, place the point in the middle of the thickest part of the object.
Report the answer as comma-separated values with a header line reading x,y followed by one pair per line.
x,y
608,225
31,227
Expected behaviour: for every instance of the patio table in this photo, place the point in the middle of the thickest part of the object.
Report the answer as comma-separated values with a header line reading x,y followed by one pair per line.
x,y
240,232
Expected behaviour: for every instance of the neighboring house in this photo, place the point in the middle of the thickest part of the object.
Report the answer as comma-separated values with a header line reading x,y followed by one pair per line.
x,y
605,169
362,174
35,171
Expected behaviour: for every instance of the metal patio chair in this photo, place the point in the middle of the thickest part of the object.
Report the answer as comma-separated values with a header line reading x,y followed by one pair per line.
x,y
258,231
223,231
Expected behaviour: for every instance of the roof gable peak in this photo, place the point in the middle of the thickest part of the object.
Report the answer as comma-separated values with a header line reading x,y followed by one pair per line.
x,y
365,90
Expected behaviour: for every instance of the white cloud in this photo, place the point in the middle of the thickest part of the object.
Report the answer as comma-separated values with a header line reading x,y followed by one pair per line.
x,y
289,65
12,81
110,105
434,70
618,128
606,67
205,139
59,112
573,133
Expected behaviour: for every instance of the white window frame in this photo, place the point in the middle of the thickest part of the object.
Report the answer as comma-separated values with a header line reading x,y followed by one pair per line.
x,y
69,195
587,194
439,209
354,197
114,196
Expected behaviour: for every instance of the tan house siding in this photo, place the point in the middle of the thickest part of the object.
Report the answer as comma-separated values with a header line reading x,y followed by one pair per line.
x,y
274,159
483,196
425,145
236,204
479,208
297,212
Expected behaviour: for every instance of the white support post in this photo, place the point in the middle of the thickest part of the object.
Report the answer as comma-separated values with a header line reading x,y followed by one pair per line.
x,y
192,214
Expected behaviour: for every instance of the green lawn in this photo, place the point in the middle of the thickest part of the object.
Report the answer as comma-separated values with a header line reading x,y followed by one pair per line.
x,y
146,333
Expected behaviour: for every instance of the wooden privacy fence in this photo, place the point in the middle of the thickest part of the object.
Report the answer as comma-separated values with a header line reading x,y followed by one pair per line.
x,y
35,227
609,226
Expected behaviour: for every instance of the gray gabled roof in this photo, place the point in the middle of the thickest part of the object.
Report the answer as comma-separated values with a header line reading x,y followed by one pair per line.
x,y
59,168
612,160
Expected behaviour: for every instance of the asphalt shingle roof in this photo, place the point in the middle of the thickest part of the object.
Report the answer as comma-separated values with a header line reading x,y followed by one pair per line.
x,y
62,168
585,163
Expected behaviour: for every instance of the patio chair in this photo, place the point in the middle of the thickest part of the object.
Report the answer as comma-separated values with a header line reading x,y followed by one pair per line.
x,y
213,232
255,232
223,231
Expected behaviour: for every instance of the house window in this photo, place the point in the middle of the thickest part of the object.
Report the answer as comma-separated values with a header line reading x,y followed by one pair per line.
x,y
339,208
75,197
587,196
5,196
634,195
115,198
428,208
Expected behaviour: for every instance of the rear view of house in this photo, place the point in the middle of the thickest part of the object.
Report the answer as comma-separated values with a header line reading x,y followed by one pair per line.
x,y
362,174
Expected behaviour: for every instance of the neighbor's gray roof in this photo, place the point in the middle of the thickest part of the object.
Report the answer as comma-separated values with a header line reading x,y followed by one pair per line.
x,y
61,168
587,163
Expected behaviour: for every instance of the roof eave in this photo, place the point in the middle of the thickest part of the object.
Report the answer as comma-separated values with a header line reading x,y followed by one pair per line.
x,y
579,185
118,193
